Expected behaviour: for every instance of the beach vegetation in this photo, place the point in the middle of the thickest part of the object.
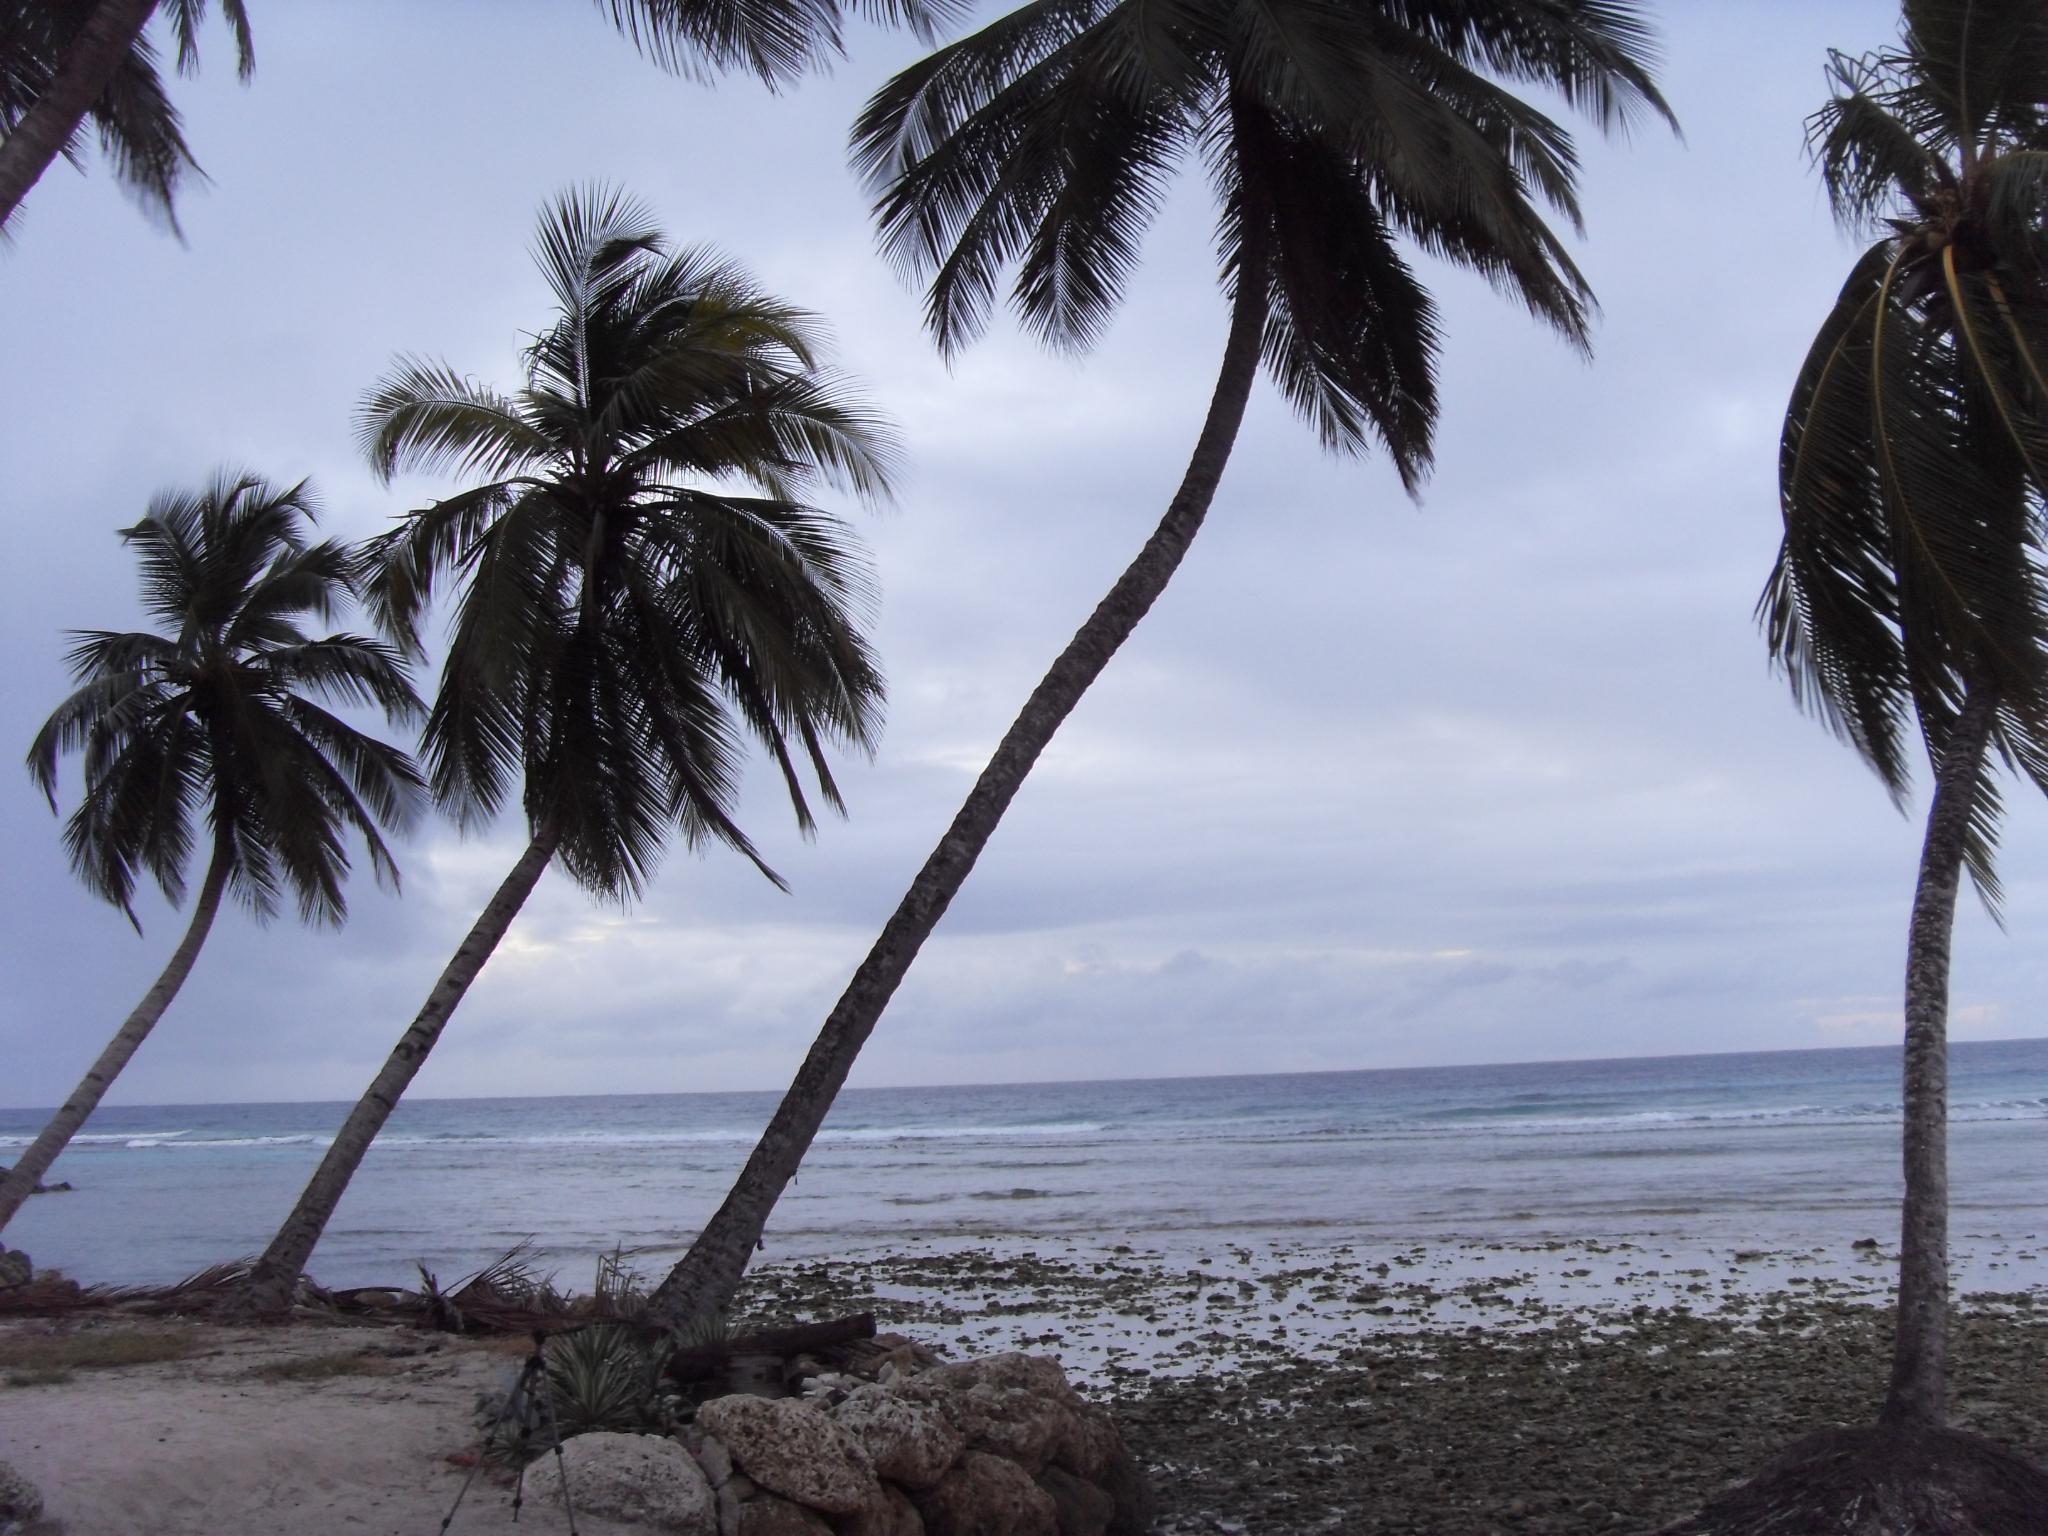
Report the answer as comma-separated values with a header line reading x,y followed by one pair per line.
x,y
1038,149
224,717
1908,609
34,1358
324,1367
640,587
606,1377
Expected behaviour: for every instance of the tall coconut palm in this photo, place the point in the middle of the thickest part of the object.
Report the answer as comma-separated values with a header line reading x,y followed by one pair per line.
x,y
64,62
220,715
1045,142
1909,593
625,616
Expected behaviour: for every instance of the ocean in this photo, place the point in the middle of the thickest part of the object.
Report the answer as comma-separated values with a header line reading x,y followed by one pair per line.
x,y
1782,1147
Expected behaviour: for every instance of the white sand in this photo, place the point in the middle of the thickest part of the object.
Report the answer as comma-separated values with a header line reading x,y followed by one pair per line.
x,y
202,1447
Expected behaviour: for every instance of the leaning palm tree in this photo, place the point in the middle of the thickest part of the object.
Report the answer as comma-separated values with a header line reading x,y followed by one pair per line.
x,y
625,616
220,715
1046,142
1909,592
64,63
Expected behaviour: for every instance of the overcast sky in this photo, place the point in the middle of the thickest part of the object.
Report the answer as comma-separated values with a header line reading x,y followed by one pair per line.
x,y
1498,777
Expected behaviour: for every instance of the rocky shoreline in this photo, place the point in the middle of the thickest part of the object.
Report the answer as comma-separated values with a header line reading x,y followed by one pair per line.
x,y
1276,1390
1549,1388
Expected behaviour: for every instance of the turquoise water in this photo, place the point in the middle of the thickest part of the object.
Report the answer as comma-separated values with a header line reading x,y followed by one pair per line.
x,y
1788,1146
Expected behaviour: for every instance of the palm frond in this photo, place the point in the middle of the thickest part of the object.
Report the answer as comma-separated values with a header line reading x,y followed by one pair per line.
x,y
204,718
424,416
585,652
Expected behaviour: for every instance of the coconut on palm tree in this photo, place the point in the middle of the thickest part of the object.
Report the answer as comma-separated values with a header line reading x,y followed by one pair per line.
x,y
64,63
627,614
1042,146
1909,596
222,716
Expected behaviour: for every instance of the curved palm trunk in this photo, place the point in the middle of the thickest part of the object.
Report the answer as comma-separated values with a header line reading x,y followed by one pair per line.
x,y
270,1285
704,1280
20,1182
1918,1395
80,80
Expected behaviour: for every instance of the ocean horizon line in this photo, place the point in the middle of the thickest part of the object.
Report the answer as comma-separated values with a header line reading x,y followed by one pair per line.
x,y
1893,1047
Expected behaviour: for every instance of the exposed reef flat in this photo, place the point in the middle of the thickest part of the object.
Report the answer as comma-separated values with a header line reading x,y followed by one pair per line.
x,y
1450,1388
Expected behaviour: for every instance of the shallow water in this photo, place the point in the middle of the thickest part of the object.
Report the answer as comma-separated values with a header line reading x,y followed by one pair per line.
x,y
1776,1149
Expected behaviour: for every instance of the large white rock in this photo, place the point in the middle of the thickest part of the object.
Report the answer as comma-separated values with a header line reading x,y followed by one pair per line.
x,y
636,1479
909,1443
794,1449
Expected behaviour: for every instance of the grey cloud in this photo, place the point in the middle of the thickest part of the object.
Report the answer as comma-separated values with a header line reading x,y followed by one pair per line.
x,y
1528,720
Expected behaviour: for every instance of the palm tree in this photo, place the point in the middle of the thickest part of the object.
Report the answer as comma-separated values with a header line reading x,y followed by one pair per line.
x,y
777,42
1909,591
624,615
218,714
65,61
1046,141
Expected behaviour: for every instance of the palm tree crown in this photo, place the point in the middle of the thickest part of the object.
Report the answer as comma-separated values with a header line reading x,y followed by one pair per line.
x,y
1914,462
775,40
223,712
1047,142
140,132
618,591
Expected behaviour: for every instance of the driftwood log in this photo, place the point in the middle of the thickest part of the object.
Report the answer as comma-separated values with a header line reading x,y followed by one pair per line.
x,y
704,1360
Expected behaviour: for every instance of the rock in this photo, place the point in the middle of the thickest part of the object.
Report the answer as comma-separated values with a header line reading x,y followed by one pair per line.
x,y
639,1479
966,1408
1023,1426
15,1268
909,1442
1081,1508
732,1498
792,1448
1012,1372
766,1515
891,1515
710,1452
987,1496
19,1498
61,1187
1136,1511
1093,1445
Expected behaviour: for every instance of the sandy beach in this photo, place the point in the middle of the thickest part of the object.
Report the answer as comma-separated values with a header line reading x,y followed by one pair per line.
x,y
1446,1388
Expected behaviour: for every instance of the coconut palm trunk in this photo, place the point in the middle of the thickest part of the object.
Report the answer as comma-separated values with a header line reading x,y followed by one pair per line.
x,y
269,1288
20,1182
1918,1393
81,78
705,1279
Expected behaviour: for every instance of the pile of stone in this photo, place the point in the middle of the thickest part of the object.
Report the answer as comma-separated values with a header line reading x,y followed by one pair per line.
x,y
995,1447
